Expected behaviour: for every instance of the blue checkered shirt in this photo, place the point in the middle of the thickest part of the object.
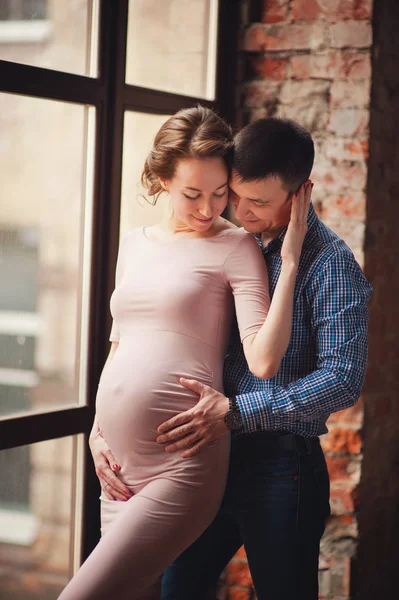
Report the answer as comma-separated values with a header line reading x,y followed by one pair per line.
x,y
324,367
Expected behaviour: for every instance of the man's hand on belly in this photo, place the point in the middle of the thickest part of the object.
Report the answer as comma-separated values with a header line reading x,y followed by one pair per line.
x,y
195,428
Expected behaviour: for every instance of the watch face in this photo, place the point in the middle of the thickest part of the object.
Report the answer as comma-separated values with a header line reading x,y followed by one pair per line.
x,y
233,419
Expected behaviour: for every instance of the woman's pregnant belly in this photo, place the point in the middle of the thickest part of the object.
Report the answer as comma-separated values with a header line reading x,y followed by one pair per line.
x,y
140,389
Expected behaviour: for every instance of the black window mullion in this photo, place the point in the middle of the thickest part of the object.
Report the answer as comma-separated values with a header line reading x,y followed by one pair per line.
x,y
152,101
29,429
229,19
106,217
107,189
53,85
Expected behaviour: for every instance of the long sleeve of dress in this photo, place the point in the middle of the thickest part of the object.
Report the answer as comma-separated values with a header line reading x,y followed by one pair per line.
x,y
246,272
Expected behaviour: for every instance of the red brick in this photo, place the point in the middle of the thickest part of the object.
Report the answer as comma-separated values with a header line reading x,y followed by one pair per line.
x,y
353,177
336,208
343,149
324,585
292,91
356,65
343,182
351,230
237,594
260,93
363,9
340,439
351,65
270,68
259,113
238,574
350,93
338,527
342,500
344,469
275,11
350,416
255,39
311,113
340,578
351,34
305,9
241,554
316,66
341,9
303,36
349,121
324,562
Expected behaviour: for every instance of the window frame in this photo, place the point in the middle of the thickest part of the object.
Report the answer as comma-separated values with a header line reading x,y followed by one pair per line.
x,y
111,96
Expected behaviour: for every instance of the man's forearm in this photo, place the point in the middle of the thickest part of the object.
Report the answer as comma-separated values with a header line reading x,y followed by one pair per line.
x,y
310,399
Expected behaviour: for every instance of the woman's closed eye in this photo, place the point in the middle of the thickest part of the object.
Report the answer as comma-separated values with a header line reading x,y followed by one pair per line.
x,y
219,195
191,197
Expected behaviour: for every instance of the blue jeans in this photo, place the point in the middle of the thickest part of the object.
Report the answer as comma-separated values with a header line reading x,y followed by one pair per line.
x,y
276,504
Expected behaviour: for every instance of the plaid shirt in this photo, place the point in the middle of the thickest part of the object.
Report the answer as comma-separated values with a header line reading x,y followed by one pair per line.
x,y
324,367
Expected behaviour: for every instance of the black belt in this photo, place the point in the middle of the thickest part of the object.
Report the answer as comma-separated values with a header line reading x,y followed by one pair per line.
x,y
265,441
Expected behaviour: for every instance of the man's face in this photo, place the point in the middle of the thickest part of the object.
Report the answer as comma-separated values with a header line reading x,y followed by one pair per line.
x,y
261,206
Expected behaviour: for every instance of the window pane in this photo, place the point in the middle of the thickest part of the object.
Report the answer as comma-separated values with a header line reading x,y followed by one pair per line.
x,y
51,34
139,133
36,529
172,46
44,252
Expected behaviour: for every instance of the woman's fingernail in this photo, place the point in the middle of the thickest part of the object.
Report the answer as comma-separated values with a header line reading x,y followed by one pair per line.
x,y
115,467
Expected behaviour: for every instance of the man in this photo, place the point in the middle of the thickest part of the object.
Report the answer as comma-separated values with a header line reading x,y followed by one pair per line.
x,y
277,495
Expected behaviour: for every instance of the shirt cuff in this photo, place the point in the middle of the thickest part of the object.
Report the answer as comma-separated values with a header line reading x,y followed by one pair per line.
x,y
256,412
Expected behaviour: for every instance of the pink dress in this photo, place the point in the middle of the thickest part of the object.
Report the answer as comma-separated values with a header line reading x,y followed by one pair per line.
x,y
172,309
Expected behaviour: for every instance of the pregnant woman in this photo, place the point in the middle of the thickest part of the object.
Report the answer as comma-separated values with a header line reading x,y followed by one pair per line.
x,y
177,284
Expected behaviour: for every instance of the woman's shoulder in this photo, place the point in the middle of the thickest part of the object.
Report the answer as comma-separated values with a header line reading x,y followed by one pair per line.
x,y
130,234
235,235
230,230
238,244
128,238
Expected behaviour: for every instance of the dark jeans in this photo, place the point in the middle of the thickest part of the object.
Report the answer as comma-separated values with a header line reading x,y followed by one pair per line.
x,y
276,503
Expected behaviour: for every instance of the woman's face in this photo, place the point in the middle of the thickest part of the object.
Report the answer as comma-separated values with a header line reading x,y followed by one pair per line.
x,y
198,192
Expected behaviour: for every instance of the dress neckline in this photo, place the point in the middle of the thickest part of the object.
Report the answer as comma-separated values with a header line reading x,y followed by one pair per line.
x,y
184,239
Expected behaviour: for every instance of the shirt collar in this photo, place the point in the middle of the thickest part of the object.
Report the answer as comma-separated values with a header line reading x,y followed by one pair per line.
x,y
274,245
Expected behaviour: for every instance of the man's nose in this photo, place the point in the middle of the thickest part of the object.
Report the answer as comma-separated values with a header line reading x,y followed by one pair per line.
x,y
241,207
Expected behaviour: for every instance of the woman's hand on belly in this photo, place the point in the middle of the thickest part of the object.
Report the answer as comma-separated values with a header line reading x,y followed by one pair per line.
x,y
194,429
111,485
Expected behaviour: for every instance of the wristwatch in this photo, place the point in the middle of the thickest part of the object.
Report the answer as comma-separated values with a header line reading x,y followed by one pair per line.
x,y
233,418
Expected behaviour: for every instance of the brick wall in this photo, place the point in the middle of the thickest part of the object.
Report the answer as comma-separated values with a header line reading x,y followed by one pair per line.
x,y
310,60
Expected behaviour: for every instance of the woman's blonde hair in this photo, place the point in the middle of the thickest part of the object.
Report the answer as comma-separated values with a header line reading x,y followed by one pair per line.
x,y
196,132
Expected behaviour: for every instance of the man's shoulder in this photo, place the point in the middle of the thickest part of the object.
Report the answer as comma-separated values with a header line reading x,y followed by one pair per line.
x,y
323,248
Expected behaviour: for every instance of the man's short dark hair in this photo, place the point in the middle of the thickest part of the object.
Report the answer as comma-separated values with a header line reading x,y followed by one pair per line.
x,y
274,147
